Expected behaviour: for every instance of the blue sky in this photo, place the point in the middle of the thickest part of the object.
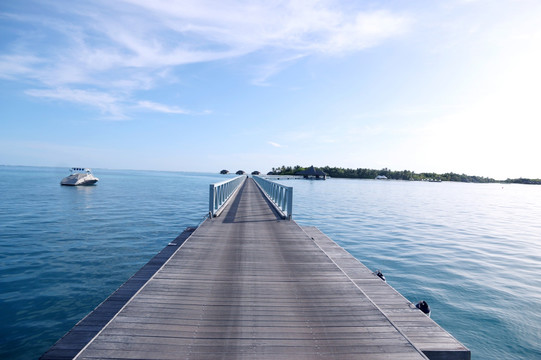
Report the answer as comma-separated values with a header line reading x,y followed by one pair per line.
x,y
204,85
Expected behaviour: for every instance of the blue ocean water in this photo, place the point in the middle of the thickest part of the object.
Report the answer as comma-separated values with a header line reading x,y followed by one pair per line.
x,y
472,251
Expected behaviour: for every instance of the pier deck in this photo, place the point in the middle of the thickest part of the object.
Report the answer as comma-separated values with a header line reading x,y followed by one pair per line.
x,y
249,285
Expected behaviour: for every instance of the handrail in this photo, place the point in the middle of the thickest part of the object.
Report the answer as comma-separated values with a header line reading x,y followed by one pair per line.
x,y
280,195
220,192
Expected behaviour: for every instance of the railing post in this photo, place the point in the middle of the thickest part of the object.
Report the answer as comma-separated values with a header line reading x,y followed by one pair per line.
x,y
220,192
212,194
289,202
280,195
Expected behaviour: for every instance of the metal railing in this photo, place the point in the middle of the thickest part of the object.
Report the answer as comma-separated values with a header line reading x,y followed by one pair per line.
x,y
220,192
280,195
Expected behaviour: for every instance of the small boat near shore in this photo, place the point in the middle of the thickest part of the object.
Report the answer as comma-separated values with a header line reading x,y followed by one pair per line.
x,y
79,177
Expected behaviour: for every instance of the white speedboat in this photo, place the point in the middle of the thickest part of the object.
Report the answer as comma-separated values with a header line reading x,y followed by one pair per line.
x,y
79,176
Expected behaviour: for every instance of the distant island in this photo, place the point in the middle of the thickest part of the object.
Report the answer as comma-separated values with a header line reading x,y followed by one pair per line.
x,y
362,173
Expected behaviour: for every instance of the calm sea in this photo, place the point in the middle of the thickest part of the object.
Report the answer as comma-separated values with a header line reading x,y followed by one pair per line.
x,y
472,251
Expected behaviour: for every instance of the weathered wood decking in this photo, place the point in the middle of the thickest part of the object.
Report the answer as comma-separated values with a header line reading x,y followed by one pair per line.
x,y
248,285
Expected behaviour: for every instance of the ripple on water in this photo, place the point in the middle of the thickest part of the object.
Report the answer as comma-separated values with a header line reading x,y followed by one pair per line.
x,y
471,250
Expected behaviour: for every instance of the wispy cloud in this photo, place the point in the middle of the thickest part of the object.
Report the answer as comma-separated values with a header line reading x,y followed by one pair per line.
x,y
162,108
15,65
266,71
107,103
126,46
275,144
244,26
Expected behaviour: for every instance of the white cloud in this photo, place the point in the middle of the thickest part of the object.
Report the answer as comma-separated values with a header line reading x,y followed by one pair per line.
x,y
108,104
12,66
162,108
317,26
125,46
264,72
113,107
275,144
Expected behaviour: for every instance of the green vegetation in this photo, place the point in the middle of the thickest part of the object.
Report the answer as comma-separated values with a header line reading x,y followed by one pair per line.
x,y
390,174
399,175
523,181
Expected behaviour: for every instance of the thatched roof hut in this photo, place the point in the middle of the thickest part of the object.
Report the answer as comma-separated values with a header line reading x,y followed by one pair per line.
x,y
312,173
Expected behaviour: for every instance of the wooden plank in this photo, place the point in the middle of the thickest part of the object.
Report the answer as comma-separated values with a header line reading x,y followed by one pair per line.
x,y
248,285
434,341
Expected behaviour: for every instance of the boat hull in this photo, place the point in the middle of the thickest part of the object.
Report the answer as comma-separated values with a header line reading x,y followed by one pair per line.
x,y
79,180
86,183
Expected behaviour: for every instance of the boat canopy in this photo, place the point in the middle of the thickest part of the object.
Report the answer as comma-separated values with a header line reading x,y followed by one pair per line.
x,y
77,169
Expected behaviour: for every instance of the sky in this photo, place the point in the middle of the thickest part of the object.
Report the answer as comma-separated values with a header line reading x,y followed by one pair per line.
x,y
202,85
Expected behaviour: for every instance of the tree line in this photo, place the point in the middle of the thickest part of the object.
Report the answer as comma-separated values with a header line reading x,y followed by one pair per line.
x,y
523,181
362,173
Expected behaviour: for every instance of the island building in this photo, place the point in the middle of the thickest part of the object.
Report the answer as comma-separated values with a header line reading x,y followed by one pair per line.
x,y
312,173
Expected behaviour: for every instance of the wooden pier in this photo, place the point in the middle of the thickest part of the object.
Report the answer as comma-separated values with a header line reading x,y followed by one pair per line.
x,y
249,285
